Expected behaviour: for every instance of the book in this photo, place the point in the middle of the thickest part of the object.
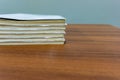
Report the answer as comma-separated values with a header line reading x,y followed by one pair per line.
x,y
31,29
3,27
32,32
37,43
32,40
31,36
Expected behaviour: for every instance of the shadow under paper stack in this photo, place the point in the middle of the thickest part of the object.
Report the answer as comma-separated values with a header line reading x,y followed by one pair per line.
x,y
28,29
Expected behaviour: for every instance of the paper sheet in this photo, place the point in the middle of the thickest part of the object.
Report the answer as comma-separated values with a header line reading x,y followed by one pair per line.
x,y
22,16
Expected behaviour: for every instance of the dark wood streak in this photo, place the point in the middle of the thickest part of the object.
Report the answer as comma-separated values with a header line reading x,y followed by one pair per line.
x,y
91,52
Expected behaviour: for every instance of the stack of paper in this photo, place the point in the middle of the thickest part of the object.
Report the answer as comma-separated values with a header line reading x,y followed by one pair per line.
x,y
28,29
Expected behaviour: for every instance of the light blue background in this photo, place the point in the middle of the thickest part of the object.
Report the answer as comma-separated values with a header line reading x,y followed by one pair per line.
x,y
76,11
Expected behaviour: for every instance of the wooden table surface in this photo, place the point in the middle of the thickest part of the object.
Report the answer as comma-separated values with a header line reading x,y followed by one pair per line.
x,y
92,52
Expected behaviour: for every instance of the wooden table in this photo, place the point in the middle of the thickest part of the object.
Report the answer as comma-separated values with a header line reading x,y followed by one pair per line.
x,y
92,52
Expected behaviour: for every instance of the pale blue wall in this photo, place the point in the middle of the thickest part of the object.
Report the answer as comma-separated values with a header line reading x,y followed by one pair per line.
x,y
76,11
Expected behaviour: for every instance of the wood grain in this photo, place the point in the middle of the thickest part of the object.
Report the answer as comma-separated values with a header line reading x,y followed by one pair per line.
x,y
91,52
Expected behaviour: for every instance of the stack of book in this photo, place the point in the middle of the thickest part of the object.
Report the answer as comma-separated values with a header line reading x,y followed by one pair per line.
x,y
28,29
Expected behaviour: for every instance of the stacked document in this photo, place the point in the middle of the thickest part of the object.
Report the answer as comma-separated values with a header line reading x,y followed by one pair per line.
x,y
29,29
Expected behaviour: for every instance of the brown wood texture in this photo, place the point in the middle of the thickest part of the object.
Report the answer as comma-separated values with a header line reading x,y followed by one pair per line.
x,y
91,52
